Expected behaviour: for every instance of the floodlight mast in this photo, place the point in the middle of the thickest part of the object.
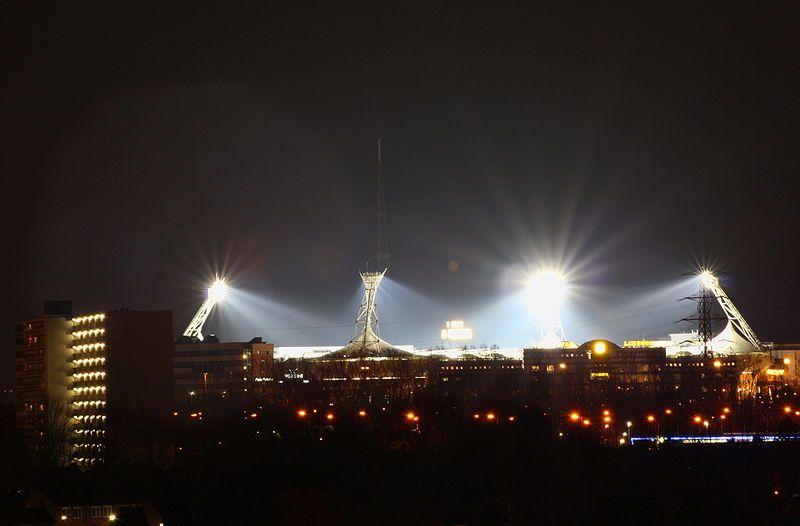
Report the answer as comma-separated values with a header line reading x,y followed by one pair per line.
x,y
215,294
365,331
548,289
711,282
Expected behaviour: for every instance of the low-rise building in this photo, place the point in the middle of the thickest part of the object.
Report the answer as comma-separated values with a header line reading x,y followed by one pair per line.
x,y
214,370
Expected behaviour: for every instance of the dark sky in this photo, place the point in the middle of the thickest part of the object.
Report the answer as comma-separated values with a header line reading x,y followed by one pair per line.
x,y
145,148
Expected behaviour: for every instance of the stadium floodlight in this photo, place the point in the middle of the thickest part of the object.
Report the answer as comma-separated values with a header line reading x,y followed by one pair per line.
x,y
707,279
546,292
215,293
218,290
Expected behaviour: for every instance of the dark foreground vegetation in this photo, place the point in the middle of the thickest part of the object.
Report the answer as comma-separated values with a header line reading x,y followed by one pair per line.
x,y
282,469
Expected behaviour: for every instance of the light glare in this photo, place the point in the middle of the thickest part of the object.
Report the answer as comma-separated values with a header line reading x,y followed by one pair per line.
x,y
218,290
546,291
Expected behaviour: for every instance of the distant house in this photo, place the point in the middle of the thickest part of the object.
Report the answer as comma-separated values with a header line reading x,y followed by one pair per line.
x,y
78,501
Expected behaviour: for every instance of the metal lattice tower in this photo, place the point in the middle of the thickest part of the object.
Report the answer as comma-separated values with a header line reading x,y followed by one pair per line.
x,y
551,332
703,318
382,255
365,332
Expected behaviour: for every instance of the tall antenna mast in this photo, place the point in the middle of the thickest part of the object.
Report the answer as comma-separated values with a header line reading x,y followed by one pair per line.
x,y
382,256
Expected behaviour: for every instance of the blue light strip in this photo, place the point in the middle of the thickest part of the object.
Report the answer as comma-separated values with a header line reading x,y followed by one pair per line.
x,y
718,439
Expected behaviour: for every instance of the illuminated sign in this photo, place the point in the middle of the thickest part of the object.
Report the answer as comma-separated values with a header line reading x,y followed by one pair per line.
x,y
455,330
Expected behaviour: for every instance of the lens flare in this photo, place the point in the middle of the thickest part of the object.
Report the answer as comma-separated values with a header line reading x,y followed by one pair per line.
x,y
546,291
218,290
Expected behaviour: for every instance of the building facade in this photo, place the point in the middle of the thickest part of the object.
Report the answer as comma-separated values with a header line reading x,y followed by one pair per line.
x,y
213,370
600,373
122,385
94,388
43,379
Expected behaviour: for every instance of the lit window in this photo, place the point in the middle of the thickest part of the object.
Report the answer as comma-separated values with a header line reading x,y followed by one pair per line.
x,y
95,512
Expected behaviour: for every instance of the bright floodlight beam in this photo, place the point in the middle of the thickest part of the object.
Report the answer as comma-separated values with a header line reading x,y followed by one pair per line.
x,y
546,292
218,290
707,279
215,293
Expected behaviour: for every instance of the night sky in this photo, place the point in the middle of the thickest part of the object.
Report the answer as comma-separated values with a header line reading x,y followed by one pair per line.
x,y
144,149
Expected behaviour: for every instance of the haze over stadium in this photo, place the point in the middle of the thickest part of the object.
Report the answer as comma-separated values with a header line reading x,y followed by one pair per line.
x,y
616,169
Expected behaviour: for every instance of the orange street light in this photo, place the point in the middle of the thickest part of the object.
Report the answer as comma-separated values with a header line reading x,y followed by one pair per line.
x,y
301,413
362,413
606,412
668,411
489,416
329,416
726,410
586,422
410,415
606,419
787,409
697,419
476,416
574,416
651,418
